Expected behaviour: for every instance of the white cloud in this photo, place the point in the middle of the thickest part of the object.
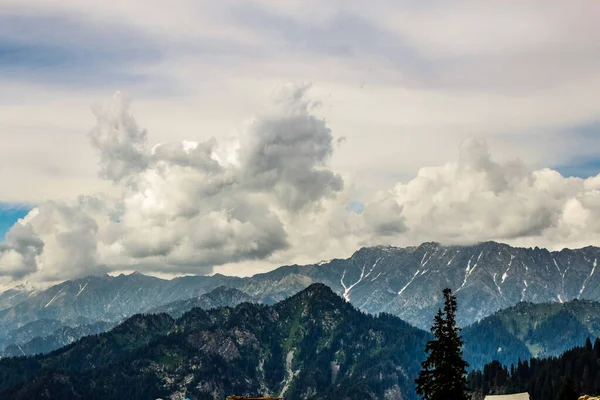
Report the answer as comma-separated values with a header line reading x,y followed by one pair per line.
x,y
270,194
184,207
477,199
425,76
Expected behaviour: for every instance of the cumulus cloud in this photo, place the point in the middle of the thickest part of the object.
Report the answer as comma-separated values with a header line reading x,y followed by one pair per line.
x,y
183,207
19,251
270,196
476,199
290,154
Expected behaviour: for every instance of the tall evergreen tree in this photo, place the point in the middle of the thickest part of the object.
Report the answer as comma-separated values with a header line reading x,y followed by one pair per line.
x,y
444,371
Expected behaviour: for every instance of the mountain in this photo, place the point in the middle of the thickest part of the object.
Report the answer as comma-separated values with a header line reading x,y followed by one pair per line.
x,y
220,297
405,282
313,345
104,298
16,294
543,378
485,277
531,330
45,342
40,327
45,335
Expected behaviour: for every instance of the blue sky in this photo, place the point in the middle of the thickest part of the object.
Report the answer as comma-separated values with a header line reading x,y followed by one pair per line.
x,y
10,214
580,168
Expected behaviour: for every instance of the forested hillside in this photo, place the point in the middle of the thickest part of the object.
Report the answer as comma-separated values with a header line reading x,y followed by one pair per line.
x,y
531,330
543,378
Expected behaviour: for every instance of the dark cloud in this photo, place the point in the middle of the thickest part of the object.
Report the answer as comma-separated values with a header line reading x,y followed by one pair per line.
x,y
289,154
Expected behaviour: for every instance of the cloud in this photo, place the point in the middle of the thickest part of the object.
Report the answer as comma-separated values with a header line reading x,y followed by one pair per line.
x,y
121,143
477,199
269,195
183,207
205,65
384,217
402,94
10,213
289,155
19,251
71,49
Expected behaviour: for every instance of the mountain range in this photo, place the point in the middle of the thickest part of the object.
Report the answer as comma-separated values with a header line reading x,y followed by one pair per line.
x,y
405,282
44,335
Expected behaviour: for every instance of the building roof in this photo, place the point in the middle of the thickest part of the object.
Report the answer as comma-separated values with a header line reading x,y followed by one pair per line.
x,y
516,396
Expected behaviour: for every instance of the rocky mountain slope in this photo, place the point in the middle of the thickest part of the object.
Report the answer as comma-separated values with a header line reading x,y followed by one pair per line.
x,y
313,345
531,330
405,282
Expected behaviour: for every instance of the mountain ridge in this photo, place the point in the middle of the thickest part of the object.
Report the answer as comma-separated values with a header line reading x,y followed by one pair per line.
x,y
487,277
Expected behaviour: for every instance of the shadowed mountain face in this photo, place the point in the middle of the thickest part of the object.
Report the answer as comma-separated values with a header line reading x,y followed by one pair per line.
x,y
405,282
312,345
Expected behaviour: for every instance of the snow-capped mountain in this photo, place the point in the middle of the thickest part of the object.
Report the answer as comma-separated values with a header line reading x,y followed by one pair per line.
x,y
406,282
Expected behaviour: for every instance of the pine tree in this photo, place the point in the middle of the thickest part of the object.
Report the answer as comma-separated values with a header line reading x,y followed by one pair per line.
x,y
444,371
429,378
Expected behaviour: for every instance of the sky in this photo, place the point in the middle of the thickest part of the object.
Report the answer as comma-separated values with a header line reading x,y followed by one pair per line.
x,y
201,137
